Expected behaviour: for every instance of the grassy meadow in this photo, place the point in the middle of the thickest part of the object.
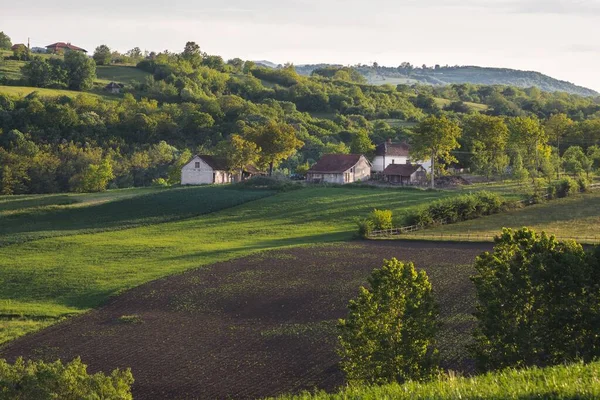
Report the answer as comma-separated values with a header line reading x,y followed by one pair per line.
x,y
120,73
72,270
567,382
22,91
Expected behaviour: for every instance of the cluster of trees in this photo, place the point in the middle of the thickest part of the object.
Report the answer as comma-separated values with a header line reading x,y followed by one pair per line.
x,y
523,318
74,71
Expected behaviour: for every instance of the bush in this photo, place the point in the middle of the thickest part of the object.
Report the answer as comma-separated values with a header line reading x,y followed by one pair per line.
x,y
457,209
160,182
389,333
538,302
41,380
563,188
382,219
583,184
365,227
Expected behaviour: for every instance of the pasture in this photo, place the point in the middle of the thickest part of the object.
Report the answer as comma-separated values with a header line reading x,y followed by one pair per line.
x,y
22,91
120,73
256,326
78,268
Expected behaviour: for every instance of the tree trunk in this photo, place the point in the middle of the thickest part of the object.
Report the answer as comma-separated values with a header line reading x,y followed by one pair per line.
x,y
432,170
271,168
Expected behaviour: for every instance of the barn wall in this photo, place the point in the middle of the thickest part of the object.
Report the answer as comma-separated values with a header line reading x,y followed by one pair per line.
x,y
378,165
204,175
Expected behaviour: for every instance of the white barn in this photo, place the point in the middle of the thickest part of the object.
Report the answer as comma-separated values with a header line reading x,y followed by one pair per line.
x,y
340,168
389,153
204,170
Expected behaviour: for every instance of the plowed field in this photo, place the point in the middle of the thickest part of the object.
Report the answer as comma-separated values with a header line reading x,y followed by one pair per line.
x,y
252,327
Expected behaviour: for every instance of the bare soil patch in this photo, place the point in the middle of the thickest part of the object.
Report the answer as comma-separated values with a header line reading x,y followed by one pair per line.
x,y
253,327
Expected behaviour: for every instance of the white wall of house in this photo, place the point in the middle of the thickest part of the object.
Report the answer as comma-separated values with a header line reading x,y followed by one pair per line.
x,y
361,171
379,166
197,172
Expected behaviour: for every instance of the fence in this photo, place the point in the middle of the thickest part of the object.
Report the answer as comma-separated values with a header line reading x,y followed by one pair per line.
x,y
413,228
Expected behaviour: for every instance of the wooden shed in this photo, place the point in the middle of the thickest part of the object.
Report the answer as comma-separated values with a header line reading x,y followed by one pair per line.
x,y
405,174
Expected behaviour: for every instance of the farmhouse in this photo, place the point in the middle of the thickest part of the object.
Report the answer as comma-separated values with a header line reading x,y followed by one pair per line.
x,y
203,170
389,153
113,87
405,174
62,47
17,46
340,168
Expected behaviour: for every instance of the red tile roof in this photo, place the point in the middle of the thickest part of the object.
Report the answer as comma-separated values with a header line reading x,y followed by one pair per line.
x,y
216,163
335,163
401,169
393,149
62,45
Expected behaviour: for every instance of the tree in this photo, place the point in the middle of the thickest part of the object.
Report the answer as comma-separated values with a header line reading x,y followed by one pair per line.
x,y
21,52
486,137
276,142
135,53
538,302
81,70
5,43
389,333
576,162
361,143
192,54
557,127
102,55
593,153
174,172
70,381
95,177
528,136
435,137
240,153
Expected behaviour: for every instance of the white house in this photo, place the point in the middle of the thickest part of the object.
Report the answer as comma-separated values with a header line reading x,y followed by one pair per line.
x,y
202,170
405,174
340,168
389,153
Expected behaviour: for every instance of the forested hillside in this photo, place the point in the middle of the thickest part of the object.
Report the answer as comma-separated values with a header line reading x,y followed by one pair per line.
x,y
77,137
438,75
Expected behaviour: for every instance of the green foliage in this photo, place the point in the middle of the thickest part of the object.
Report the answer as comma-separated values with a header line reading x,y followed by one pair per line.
x,y
81,70
563,188
564,382
389,333
518,170
382,219
5,43
94,178
365,227
102,55
71,381
576,162
538,302
276,141
460,208
160,182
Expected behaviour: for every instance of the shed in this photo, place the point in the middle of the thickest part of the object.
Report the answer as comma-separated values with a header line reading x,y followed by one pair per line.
x,y
113,87
405,173
340,168
205,169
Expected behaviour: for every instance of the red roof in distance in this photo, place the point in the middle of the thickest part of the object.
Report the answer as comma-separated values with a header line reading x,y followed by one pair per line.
x,y
64,46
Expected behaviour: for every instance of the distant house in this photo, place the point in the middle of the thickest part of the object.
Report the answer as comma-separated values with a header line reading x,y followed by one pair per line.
x,y
405,174
113,87
17,45
203,170
389,153
61,47
340,168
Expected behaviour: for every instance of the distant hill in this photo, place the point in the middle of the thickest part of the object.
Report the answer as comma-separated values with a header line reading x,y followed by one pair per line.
x,y
408,74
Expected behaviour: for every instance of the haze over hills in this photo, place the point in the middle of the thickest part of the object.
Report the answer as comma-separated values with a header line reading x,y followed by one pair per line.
x,y
438,75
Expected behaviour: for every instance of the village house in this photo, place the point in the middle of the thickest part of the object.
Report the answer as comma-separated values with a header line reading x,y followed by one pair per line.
x,y
340,168
389,153
113,87
61,47
204,170
405,174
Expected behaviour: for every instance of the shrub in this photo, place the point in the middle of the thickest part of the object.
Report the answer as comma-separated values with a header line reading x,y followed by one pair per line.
x,y
160,182
538,302
583,184
563,188
389,333
365,227
382,219
71,381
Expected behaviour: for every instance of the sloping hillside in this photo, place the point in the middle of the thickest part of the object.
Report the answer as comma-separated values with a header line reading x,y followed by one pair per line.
x,y
460,74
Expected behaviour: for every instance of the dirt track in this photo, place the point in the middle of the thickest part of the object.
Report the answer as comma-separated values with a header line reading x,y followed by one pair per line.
x,y
252,327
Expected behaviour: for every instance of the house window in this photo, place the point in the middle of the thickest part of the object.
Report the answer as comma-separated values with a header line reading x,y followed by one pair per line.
x,y
197,164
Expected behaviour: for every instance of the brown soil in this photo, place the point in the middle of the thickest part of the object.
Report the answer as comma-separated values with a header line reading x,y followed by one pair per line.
x,y
252,327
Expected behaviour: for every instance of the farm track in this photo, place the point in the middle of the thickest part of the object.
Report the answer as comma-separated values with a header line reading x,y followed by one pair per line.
x,y
252,327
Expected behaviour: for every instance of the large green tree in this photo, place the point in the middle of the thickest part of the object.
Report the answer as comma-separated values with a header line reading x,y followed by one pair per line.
x,y
102,55
435,138
486,137
81,70
389,333
240,153
558,126
276,141
538,302
5,43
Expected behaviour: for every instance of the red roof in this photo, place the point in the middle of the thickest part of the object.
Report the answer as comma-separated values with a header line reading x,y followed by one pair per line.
x,y
401,169
335,163
216,163
63,46
16,46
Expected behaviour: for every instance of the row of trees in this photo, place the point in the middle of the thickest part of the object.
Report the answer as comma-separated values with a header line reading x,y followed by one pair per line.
x,y
523,319
75,71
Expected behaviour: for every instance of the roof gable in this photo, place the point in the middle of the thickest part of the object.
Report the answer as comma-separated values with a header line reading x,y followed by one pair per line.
x,y
337,163
393,149
216,163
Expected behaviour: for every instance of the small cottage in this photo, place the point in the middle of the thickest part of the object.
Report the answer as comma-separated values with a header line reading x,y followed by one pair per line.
x,y
204,170
340,168
390,153
405,174
113,87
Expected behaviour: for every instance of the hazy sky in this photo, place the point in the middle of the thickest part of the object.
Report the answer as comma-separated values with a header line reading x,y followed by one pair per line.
x,y
558,38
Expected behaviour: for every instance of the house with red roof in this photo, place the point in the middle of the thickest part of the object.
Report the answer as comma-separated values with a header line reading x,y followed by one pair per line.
x,y
340,168
61,47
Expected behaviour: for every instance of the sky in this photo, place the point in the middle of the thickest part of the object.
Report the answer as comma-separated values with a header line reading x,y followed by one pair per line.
x,y
555,37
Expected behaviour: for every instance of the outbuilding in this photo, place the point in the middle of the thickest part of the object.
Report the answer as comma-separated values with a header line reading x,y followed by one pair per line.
x,y
204,170
340,168
405,174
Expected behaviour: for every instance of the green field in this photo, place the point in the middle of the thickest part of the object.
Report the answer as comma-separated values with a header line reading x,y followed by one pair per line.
x,y
46,279
473,106
569,382
120,73
575,217
11,69
21,91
